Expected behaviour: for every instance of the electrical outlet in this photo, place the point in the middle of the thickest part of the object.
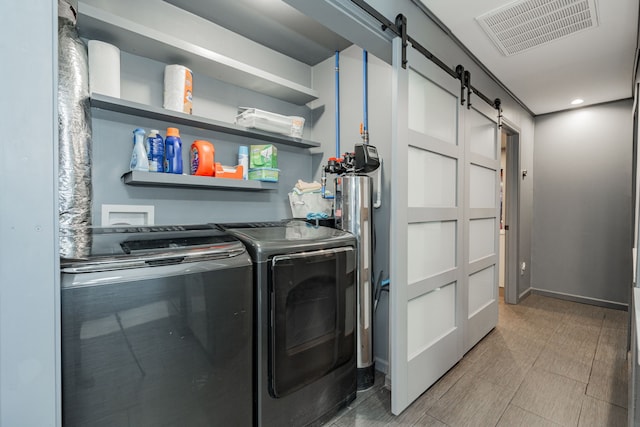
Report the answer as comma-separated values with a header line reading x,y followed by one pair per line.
x,y
523,267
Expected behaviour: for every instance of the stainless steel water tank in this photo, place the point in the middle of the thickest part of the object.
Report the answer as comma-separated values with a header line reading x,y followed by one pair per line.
x,y
354,214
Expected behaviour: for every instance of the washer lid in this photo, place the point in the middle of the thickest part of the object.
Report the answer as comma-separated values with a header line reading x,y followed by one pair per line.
x,y
288,236
131,247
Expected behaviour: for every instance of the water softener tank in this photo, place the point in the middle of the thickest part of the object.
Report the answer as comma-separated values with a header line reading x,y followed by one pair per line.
x,y
353,214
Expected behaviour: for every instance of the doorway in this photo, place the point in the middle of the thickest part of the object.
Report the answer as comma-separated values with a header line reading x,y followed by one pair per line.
x,y
510,214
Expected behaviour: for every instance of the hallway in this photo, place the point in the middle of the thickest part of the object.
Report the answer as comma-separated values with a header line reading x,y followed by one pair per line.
x,y
548,362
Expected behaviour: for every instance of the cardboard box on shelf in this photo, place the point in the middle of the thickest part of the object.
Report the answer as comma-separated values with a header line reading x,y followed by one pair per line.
x,y
264,174
263,156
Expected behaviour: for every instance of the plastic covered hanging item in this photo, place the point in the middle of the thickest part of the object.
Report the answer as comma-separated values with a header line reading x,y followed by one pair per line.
x,y
74,142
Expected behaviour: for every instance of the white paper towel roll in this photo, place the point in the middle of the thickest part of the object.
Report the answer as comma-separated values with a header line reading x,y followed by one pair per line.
x,y
178,88
104,68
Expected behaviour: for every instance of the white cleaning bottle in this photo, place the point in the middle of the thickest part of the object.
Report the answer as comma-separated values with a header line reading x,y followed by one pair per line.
x,y
243,159
139,159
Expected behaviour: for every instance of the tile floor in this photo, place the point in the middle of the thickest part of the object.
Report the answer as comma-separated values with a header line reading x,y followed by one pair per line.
x,y
549,362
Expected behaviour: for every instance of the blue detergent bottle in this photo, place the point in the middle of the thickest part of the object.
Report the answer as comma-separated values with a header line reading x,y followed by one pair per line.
x,y
155,149
173,152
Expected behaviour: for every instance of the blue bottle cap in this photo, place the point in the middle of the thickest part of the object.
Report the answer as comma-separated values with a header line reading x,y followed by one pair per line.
x,y
243,150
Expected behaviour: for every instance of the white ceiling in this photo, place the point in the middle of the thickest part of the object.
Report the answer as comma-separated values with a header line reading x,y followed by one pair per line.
x,y
595,65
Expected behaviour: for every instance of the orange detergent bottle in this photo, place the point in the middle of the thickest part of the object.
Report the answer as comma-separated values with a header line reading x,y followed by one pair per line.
x,y
202,157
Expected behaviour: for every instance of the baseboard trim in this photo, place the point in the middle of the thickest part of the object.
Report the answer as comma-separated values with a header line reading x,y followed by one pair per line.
x,y
381,365
524,294
581,299
387,382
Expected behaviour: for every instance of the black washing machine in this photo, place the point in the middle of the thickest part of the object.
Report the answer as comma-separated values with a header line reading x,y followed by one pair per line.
x,y
157,329
305,320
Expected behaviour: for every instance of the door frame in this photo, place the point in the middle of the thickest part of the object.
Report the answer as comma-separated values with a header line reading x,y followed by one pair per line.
x,y
513,180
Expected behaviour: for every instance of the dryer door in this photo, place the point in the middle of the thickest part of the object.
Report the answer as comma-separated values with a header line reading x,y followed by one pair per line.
x,y
313,311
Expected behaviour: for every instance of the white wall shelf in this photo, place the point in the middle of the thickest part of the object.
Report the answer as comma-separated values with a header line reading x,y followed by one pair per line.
x,y
138,39
117,105
154,179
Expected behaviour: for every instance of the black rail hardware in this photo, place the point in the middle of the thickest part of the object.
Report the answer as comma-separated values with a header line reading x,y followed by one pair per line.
x,y
497,104
460,76
399,28
467,83
401,24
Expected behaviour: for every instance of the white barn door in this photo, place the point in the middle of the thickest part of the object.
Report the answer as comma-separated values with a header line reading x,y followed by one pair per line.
x,y
426,228
482,220
434,186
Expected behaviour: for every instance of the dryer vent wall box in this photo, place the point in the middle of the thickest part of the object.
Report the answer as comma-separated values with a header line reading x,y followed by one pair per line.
x,y
127,215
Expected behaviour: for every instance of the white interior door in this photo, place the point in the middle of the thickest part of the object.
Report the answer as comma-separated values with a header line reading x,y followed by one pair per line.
x,y
482,220
426,228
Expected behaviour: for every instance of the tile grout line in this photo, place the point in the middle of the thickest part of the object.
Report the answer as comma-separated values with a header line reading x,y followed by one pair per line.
x,y
426,412
594,357
533,413
516,392
525,376
544,344
605,401
591,371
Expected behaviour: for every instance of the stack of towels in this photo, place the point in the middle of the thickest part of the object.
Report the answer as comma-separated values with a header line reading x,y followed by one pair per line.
x,y
302,187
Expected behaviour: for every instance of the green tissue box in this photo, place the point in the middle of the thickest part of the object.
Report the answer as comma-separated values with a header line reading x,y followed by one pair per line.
x,y
264,174
263,156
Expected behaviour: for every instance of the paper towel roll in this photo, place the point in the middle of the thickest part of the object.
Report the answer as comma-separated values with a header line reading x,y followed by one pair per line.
x,y
178,88
104,68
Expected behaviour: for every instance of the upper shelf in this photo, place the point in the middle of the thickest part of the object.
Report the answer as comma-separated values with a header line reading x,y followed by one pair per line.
x,y
95,23
140,110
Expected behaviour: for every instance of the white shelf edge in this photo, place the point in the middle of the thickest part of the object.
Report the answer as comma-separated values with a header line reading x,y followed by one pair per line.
x,y
138,39
173,180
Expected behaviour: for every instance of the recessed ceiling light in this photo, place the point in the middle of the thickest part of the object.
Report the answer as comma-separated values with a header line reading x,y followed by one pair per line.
x,y
577,101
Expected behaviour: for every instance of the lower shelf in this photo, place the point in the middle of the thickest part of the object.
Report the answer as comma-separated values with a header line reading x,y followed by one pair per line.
x,y
194,181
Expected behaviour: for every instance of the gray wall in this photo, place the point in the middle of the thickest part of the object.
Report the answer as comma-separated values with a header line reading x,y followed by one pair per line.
x,y
582,203
29,282
351,115
142,81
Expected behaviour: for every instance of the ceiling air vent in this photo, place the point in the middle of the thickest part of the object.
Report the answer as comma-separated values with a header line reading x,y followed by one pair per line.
x,y
523,25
